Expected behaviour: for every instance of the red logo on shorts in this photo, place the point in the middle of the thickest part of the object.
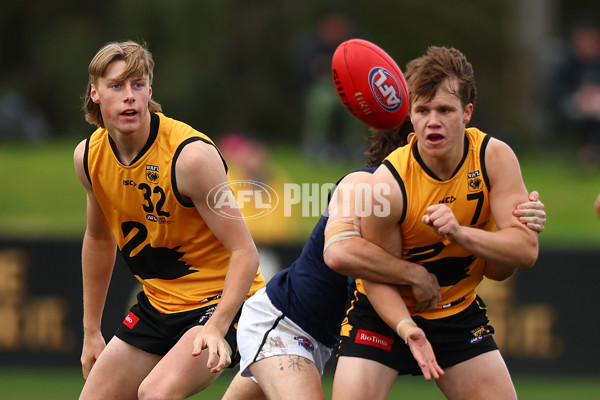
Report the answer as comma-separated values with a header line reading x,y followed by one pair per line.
x,y
374,339
130,320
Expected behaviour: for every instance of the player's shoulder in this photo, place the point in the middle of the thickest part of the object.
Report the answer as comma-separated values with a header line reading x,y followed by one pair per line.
x,y
80,149
497,148
357,176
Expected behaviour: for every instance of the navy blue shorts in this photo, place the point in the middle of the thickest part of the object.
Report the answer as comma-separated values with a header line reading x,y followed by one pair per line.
x,y
154,332
454,339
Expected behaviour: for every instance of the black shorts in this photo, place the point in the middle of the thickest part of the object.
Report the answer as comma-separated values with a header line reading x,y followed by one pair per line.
x,y
454,339
154,332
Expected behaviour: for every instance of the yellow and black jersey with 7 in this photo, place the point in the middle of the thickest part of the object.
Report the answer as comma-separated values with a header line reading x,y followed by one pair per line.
x,y
467,194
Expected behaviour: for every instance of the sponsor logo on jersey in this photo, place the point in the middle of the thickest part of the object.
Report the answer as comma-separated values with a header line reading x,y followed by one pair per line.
x,y
304,342
129,182
385,88
130,320
474,181
152,173
374,339
447,200
159,220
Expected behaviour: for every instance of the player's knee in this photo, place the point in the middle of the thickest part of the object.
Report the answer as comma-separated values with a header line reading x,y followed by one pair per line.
x,y
150,390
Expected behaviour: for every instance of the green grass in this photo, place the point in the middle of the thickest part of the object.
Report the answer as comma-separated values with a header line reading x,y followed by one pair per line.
x,y
41,194
568,192
65,384
43,198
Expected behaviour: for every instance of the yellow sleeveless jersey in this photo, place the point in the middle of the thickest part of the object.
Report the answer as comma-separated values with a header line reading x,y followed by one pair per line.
x,y
163,239
467,194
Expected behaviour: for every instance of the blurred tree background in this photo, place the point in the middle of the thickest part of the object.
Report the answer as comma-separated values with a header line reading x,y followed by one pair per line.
x,y
236,66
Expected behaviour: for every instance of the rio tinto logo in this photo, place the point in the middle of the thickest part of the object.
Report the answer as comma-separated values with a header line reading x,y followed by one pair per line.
x,y
254,199
385,88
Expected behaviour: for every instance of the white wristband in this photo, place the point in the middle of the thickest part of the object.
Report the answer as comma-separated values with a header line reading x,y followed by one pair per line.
x,y
403,331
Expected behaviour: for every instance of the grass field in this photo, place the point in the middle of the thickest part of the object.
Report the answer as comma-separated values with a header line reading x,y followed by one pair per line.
x,y
65,384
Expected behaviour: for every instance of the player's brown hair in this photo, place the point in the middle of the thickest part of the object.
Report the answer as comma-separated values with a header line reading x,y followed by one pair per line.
x,y
425,75
384,142
139,63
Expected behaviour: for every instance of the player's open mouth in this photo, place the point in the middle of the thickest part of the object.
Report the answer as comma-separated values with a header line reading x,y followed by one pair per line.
x,y
129,113
434,138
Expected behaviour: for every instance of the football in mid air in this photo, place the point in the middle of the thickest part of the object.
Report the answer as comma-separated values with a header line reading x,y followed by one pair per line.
x,y
370,84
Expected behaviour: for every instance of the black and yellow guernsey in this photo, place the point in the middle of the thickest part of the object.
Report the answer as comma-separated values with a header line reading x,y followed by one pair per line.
x,y
163,239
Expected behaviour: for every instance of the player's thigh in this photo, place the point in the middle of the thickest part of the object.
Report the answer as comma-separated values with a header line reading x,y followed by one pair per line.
x,y
242,388
482,377
118,372
288,377
359,378
179,374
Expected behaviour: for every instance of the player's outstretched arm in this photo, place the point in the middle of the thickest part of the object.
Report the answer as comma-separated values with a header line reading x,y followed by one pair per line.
x,y
232,232
423,353
388,303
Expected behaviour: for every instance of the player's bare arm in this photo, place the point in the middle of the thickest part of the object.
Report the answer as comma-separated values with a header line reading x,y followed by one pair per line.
x,y
385,298
98,255
352,255
199,169
513,245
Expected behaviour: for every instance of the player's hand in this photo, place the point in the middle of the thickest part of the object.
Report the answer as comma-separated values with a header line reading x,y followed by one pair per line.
x,y
211,341
93,344
426,292
532,213
597,206
423,353
441,219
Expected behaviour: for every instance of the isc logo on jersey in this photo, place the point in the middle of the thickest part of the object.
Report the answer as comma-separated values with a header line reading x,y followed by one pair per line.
x,y
385,88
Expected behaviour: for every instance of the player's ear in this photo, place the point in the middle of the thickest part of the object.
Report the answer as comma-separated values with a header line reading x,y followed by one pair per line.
x,y
94,94
468,113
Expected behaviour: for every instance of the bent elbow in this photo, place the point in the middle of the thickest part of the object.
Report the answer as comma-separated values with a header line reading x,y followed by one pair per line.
x,y
530,258
339,256
333,257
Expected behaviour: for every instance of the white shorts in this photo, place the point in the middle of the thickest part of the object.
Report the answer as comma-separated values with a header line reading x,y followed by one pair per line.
x,y
264,332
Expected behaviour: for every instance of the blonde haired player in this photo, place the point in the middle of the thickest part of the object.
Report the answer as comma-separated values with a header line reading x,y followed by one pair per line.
x,y
147,178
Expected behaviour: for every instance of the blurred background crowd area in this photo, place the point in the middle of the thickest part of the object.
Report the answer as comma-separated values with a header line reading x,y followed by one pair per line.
x,y
263,68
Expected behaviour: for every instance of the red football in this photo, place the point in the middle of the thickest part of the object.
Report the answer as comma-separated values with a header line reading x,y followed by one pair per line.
x,y
370,84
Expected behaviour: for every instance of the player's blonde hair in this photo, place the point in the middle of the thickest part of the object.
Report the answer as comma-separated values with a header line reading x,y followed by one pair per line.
x,y
139,62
